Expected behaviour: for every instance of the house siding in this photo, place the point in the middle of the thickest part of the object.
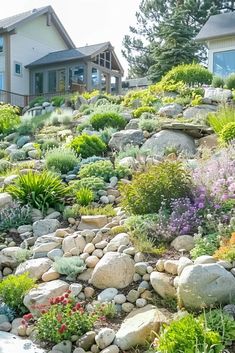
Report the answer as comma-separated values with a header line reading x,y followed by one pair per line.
x,y
32,40
215,46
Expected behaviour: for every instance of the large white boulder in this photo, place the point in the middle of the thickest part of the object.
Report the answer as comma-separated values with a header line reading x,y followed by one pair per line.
x,y
114,270
45,226
162,283
203,285
5,199
35,267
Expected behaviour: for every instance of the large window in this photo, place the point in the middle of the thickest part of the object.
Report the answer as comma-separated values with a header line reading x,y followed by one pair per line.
x,y
95,78
52,81
39,83
1,44
1,80
104,59
76,75
224,63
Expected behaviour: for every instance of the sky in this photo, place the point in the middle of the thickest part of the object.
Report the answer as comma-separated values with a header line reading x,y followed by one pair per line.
x,y
86,21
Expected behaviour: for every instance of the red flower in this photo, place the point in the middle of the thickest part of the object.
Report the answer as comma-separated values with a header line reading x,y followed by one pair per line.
x,y
78,306
66,295
62,328
69,291
43,311
65,302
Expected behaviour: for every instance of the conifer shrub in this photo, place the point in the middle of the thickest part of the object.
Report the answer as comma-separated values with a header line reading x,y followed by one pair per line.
x,y
100,121
217,82
230,81
61,160
139,111
103,169
69,266
88,146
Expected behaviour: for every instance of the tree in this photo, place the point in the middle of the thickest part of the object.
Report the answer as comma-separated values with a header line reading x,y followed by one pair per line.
x,y
164,34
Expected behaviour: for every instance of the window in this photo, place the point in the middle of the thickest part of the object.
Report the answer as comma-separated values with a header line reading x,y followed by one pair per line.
x,y
76,75
224,63
95,78
18,69
38,83
1,44
1,80
52,81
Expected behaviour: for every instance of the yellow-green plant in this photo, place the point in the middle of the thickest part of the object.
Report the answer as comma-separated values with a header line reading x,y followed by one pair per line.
x,y
84,196
139,111
220,119
88,146
228,132
9,118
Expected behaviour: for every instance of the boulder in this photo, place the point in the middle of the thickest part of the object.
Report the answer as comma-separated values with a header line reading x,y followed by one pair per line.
x,y
126,137
170,110
139,326
5,199
218,94
114,270
199,111
11,343
107,295
132,125
210,141
162,283
42,293
105,337
93,222
200,286
74,241
185,242
45,226
158,143
35,267
46,243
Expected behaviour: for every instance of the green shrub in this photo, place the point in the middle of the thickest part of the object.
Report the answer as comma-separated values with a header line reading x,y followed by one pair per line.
x,y
9,118
60,117
190,74
39,190
217,82
139,111
92,183
14,216
139,98
107,210
228,132
147,190
37,100
106,134
29,125
220,119
69,266
205,246
230,81
188,335
108,108
3,153
84,107
13,289
61,160
103,169
149,125
92,159
87,146
84,196
57,101
18,155
49,144
4,166
110,119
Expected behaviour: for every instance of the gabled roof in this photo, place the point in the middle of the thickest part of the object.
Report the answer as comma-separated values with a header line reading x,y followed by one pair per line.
x,y
11,23
217,26
87,52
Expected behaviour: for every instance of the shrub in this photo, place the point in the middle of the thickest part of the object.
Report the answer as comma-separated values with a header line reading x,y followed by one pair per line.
x,y
139,111
84,196
2,153
6,310
49,144
93,211
64,319
226,250
18,155
143,97
219,120
188,335
149,189
39,190
9,118
61,160
29,124
37,100
103,169
108,108
57,101
69,266
93,183
91,160
87,146
58,117
230,81
228,132
149,125
205,245
191,74
13,289
106,134
217,81
4,166
100,121
14,216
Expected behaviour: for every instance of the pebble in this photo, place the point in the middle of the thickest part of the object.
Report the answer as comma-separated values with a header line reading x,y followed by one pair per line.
x,y
89,248
120,299
136,277
92,261
132,296
104,337
160,265
141,302
141,268
130,251
107,295
139,257
89,292
127,307
75,288
98,253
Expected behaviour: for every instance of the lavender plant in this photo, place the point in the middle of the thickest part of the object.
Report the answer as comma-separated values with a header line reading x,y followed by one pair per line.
x,y
14,215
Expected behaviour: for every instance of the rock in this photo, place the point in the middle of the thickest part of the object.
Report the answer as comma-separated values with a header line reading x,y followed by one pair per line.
x,y
199,111
139,326
14,344
120,239
45,226
53,215
46,243
87,340
74,241
133,124
111,349
226,264
132,296
63,347
3,318
128,162
141,268
170,110
92,261
171,266
55,253
75,288
162,284
210,141
183,262
158,143
160,265
61,233
5,326
127,307
5,199
43,292
107,295
50,275
22,330
204,259
89,248
126,137
183,242
25,228
93,222
119,299
218,94
140,303
104,337
113,270
204,285
35,267
89,292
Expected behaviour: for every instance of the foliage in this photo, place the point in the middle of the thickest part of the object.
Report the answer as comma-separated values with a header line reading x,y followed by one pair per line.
x,y
64,318
2,153
190,74
88,146
108,108
93,183
103,169
149,125
106,134
226,250
4,166
142,97
30,124
71,211
159,183
106,210
6,310
13,289
220,119
139,111
205,245
88,95
230,81
84,196
69,266
63,117
37,101
61,160
9,118
39,190
99,121
108,310
57,101
14,216
197,100
188,335
132,151
228,132
49,144
217,81
18,155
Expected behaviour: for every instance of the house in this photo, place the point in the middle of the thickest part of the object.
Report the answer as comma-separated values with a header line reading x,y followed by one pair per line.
x,y
218,34
135,83
38,57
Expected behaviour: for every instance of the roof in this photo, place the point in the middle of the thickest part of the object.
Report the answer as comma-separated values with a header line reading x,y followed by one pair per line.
x,y
11,23
217,26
